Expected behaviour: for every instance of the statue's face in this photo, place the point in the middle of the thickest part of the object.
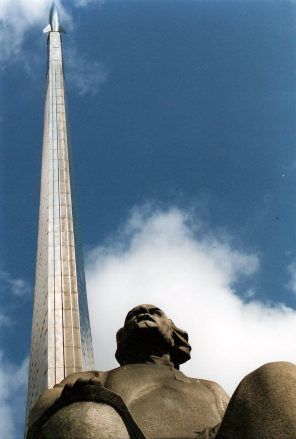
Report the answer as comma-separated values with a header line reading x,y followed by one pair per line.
x,y
147,331
148,317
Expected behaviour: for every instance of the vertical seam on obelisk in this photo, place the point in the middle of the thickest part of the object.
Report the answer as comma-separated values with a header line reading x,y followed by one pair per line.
x,y
53,212
59,205
51,177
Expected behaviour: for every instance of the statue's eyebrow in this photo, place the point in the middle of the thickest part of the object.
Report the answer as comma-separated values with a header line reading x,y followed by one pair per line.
x,y
156,309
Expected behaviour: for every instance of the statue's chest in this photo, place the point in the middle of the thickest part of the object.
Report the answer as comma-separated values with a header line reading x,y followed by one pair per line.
x,y
163,402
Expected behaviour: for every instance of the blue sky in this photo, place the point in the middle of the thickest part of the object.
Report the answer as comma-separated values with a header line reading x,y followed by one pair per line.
x,y
182,122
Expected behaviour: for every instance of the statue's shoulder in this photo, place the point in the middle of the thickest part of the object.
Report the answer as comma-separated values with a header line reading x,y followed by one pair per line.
x,y
80,406
48,397
221,397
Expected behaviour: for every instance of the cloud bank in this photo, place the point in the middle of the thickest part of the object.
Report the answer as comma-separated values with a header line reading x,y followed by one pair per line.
x,y
168,258
13,376
14,286
13,387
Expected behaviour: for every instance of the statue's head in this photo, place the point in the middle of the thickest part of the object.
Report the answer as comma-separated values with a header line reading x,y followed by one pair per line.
x,y
148,331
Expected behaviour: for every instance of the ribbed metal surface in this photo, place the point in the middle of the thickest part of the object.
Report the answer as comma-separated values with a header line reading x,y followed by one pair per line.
x,y
61,338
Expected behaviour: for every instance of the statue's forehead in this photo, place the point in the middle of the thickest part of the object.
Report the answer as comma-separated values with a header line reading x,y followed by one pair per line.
x,y
146,306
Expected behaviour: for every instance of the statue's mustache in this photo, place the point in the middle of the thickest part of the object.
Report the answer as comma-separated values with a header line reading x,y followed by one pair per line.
x,y
143,317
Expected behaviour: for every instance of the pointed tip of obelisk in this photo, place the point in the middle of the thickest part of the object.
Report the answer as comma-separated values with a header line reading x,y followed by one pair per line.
x,y
54,20
53,10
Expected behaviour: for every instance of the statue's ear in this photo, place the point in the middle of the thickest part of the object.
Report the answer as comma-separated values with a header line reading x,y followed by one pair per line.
x,y
180,335
181,349
172,337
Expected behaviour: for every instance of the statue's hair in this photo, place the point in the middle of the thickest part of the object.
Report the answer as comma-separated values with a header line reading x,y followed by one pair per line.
x,y
179,350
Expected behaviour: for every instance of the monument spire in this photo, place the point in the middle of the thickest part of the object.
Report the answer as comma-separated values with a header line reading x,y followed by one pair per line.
x,y
61,338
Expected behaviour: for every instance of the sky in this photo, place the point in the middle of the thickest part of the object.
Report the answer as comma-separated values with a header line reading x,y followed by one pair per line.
x,y
182,125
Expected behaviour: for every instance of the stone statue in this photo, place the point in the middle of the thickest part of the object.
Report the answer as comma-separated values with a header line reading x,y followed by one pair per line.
x,y
146,397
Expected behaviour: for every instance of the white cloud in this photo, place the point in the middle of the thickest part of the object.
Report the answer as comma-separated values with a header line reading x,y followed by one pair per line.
x,y
82,3
13,385
169,259
15,286
85,75
250,294
13,377
4,320
17,17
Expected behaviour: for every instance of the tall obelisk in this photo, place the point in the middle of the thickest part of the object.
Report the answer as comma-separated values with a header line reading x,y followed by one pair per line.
x,y
61,338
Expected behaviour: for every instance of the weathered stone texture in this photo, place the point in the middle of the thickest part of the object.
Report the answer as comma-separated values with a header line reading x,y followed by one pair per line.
x,y
264,405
